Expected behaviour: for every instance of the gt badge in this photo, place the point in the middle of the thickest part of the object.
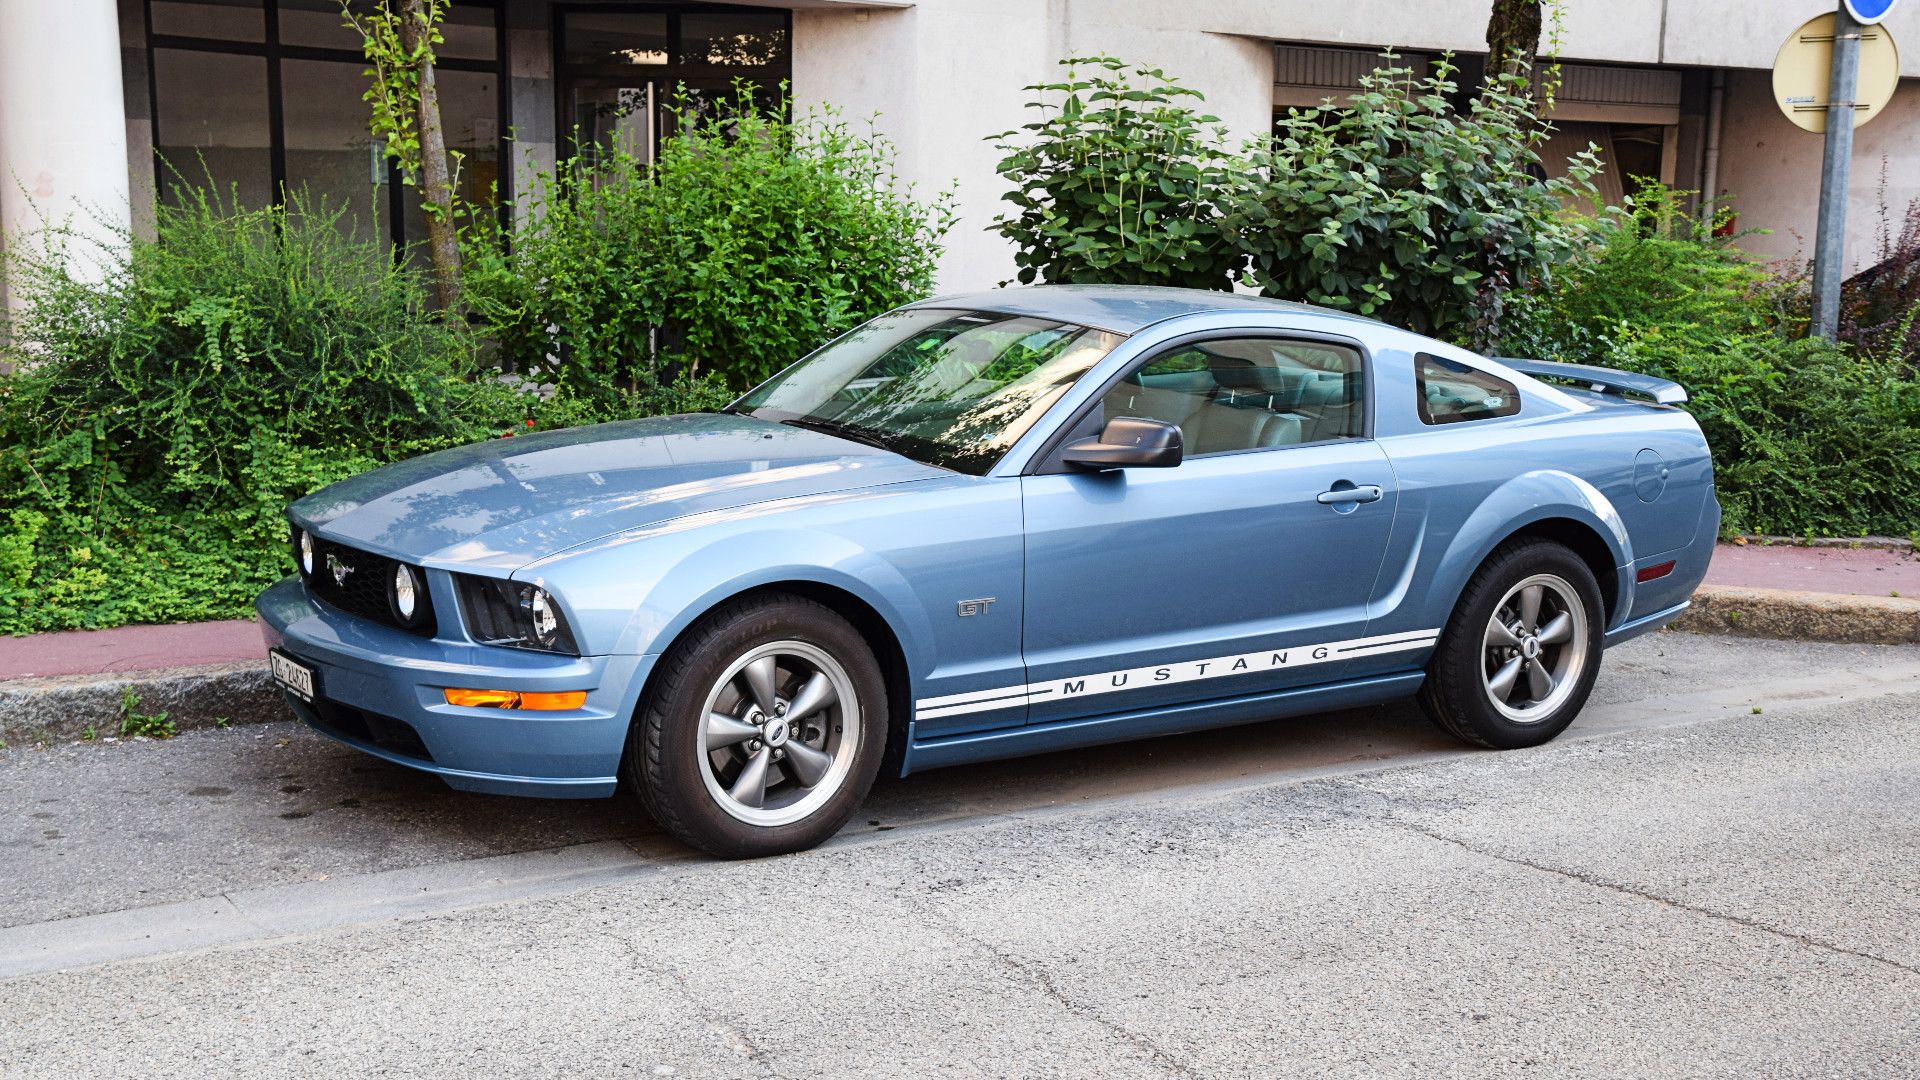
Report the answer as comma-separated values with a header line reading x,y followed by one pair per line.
x,y
975,607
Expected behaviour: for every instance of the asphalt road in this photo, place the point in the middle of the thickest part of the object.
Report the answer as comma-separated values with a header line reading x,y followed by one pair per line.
x,y
1681,886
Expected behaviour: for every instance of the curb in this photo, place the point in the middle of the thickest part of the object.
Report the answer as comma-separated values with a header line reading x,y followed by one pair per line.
x,y
61,709
1802,616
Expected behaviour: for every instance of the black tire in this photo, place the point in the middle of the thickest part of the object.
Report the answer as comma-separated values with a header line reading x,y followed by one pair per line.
x,y
669,766
1460,692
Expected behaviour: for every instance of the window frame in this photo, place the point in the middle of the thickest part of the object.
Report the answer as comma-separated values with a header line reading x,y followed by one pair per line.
x,y
1047,461
1427,418
270,49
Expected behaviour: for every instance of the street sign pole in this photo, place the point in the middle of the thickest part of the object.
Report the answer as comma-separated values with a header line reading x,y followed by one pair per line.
x,y
1830,236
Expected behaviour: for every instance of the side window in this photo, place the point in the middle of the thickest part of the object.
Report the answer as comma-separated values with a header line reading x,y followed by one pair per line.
x,y
1452,392
1233,394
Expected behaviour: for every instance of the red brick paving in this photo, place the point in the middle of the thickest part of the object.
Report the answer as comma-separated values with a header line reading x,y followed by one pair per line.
x,y
1865,571
130,648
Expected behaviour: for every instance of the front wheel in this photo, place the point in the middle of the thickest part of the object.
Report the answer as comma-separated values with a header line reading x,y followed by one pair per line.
x,y
763,729
1521,652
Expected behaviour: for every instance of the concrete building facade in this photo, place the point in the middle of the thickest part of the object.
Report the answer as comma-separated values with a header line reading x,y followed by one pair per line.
x,y
104,104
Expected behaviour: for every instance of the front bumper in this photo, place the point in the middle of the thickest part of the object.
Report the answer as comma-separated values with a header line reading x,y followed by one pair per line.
x,y
380,690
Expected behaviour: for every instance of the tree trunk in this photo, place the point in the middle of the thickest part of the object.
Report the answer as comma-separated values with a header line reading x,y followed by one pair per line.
x,y
1513,38
436,183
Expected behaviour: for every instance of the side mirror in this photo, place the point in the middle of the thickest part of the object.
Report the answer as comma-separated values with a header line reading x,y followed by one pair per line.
x,y
1128,442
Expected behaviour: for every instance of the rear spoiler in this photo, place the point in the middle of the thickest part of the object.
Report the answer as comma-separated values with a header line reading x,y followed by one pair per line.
x,y
1602,380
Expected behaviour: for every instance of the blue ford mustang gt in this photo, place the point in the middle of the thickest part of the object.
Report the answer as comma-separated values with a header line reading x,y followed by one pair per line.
x,y
990,525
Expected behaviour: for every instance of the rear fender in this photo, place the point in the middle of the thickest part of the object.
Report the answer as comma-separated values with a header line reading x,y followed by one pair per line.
x,y
1527,499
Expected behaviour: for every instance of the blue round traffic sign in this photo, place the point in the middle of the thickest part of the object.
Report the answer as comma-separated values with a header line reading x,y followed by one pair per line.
x,y
1868,12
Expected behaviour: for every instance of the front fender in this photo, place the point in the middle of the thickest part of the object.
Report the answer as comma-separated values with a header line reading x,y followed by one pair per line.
x,y
1528,499
701,582
691,581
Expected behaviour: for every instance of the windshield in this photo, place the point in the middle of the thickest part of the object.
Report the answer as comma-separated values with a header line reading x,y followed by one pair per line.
x,y
949,388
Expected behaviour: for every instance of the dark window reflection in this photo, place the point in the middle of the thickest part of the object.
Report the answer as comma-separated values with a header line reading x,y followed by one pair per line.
x,y
733,40
222,20
211,123
615,38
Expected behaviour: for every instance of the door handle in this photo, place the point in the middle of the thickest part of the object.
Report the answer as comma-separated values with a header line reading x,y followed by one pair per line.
x,y
1339,496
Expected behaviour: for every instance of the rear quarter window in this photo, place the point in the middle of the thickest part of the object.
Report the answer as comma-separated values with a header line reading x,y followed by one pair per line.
x,y
1452,392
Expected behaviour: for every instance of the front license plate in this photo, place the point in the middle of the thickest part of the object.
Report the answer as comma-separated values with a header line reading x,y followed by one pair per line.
x,y
292,674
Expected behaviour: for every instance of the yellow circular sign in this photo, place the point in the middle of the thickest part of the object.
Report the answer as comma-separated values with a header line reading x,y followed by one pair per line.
x,y
1803,69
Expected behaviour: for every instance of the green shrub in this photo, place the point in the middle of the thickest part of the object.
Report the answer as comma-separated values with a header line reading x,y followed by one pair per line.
x,y
1391,204
1395,206
1655,267
1118,182
162,415
1808,437
748,243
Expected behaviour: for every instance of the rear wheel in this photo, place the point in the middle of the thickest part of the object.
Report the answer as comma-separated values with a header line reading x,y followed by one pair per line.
x,y
1520,655
763,729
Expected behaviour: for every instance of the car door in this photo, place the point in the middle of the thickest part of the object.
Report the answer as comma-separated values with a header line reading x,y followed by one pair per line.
x,y
1245,569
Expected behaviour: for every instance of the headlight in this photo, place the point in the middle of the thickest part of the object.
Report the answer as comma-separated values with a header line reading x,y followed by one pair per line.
x,y
544,616
405,594
303,542
513,613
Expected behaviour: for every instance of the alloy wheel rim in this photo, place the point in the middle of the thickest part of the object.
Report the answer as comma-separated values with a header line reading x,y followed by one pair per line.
x,y
1535,648
778,733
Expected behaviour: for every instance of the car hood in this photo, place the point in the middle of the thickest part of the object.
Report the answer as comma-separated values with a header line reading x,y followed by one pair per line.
x,y
507,502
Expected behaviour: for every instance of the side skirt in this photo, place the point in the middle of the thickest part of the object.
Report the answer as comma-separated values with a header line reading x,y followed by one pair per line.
x,y
978,746
1645,624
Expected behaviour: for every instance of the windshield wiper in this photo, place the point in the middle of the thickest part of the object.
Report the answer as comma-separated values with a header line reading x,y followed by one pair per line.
x,y
844,431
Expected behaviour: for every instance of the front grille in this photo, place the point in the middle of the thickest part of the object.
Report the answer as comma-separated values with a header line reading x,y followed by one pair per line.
x,y
364,589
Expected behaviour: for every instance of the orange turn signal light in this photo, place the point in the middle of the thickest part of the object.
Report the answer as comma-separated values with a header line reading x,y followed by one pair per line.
x,y
546,700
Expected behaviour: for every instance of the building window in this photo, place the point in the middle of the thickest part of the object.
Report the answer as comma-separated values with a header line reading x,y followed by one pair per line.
x,y
211,123
263,98
224,20
622,68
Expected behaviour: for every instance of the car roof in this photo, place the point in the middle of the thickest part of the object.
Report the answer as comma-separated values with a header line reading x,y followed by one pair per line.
x,y
1122,309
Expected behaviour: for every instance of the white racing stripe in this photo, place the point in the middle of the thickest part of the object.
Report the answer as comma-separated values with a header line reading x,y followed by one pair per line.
x,y
1219,667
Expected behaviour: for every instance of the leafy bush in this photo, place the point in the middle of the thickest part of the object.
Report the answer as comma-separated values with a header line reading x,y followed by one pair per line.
x,y
1394,205
1877,305
1657,267
1808,437
163,414
749,242
1118,182
1391,205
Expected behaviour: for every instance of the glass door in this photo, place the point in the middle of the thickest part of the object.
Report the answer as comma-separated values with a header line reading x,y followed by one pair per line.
x,y
623,115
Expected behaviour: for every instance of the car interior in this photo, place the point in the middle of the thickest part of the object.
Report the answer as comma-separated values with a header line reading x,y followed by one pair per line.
x,y
1247,394
1451,392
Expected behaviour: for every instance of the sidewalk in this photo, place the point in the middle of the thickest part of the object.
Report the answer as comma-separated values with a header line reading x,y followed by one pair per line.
x,y
130,648
1856,571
